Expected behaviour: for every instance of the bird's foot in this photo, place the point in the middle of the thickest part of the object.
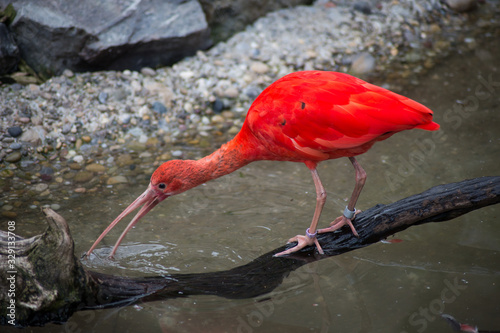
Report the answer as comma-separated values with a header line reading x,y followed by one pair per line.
x,y
341,221
302,241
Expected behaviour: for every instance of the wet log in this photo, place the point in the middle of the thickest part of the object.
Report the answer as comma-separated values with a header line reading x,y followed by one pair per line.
x,y
45,282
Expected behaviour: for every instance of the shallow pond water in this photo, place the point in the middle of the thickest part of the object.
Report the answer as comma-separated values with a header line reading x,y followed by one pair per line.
x,y
451,267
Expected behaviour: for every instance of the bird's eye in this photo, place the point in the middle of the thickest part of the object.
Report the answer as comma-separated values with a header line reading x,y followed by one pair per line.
x,y
162,186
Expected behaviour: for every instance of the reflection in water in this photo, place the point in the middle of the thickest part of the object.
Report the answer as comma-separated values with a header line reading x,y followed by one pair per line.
x,y
383,288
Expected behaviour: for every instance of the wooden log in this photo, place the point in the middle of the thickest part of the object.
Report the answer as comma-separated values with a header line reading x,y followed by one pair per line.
x,y
50,283
44,278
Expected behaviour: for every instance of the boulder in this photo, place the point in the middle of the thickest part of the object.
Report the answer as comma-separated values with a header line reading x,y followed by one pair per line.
x,y
9,52
227,17
54,35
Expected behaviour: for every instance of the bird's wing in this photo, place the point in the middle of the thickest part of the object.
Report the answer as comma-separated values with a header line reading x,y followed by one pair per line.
x,y
327,111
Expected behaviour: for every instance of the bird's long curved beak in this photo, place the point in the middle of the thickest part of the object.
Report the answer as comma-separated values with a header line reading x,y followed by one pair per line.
x,y
149,199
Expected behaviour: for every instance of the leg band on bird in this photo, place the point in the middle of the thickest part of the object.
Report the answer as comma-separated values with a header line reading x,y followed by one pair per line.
x,y
349,213
308,234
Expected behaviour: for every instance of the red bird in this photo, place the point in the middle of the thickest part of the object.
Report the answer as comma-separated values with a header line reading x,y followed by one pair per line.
x,y
307,117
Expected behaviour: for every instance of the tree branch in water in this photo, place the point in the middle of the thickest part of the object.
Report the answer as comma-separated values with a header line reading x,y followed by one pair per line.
x,y
51,283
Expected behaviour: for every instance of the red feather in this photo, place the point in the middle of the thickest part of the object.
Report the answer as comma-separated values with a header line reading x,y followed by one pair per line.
x,y
321,115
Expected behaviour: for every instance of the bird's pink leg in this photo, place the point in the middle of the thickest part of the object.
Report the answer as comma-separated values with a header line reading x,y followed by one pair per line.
x,y
310,237
350,211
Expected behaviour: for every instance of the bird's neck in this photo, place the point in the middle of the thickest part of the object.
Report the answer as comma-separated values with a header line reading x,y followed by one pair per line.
x,y
241,150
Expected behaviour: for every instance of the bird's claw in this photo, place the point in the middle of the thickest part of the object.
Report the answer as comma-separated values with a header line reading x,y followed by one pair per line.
x,y
302,242
339,222
310,239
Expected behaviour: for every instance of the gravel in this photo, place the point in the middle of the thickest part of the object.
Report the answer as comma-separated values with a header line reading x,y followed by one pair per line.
x,y
82,131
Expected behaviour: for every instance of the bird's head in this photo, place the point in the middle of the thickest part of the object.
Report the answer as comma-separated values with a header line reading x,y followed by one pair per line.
x,y
169,179
172,177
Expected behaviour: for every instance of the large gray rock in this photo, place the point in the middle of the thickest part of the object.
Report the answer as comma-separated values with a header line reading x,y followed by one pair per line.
x,y
54,35
227,17
9,52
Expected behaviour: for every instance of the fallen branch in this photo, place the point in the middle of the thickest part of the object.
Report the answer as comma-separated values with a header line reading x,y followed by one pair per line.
x,y
51,284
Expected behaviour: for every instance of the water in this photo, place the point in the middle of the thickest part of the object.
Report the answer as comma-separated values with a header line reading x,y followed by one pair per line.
x,y
450,267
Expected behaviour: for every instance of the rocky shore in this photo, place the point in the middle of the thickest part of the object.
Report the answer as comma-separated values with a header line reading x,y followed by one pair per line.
x,y
82,132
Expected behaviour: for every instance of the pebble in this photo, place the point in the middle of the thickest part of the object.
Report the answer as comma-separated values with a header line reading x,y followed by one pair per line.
x,y
363,63
9,214
13,157
231,92
15,146
103,97
136,86
124,118
145,154
15,131
40,187
152,142
46,173
117,180
413,56
55,206
186,74
252,91
83,176
218,105
80,190
124,159
259,67
218,119
66,128
143,111
34,87
35,135
233,130
158,107
227,114
148,71
78,143
47,170
136,131
46,177
94,167
363,7
462,5
7,207
8,139
74,166
136,146
6,173
68,73
78,159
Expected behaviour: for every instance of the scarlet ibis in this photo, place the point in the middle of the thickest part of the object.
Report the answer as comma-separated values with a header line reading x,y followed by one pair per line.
x,y
308,117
